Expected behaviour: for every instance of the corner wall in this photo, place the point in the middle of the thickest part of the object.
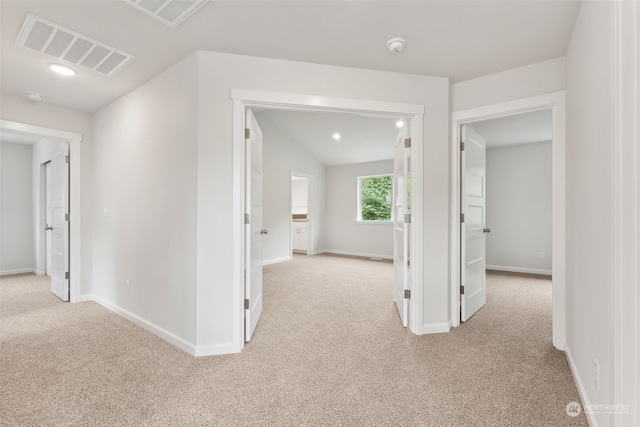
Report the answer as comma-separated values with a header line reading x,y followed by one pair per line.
x,y
590,201
145,207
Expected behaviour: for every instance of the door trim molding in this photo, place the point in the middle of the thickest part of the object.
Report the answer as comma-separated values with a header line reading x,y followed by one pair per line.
x,y
242,99
556,102
75,241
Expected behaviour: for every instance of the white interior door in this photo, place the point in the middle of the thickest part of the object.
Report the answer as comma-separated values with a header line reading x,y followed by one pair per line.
x,y
48,219
401,218
59,225
472,225
253,228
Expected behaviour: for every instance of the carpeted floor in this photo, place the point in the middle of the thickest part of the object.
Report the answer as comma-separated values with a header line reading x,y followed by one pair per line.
x,y
329,350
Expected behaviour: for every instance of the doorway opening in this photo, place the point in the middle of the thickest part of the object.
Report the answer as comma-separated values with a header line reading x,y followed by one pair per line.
x,y
301,219
544,261
244,100
59,147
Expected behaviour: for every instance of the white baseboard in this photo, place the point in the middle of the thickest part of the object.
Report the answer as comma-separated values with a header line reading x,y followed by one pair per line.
x,y
215,350
18,271
276,260
519,270
151,327
39,272
347,253
436,328
580,386
84,298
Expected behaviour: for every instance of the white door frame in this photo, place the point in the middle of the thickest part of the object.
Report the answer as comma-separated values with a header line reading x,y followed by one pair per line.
x,y
74,140
556,102
310,217
243,99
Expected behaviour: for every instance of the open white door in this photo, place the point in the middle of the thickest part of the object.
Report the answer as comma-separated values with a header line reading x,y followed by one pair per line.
x,y
402,220
472,223
253,227
59,228
48,219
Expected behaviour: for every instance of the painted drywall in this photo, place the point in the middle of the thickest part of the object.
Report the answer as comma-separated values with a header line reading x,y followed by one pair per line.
x,y
590,221
218,74
42,114
17,253
531,80
344,234
145,207
281,156
519,208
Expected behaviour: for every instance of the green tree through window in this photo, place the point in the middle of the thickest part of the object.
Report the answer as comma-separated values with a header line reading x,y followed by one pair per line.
x,y
375,198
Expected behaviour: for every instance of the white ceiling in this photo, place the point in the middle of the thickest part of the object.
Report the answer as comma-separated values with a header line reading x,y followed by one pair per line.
x,y
456,39
535,126
369,139
362,138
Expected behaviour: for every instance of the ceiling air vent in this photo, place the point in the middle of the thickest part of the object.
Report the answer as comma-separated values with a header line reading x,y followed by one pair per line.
x,y
169,12
74,48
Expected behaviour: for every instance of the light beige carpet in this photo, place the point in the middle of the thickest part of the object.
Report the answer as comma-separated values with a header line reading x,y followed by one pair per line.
x,y
329,350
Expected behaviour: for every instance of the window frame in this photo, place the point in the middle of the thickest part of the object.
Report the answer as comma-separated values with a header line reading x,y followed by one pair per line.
x,y
359,219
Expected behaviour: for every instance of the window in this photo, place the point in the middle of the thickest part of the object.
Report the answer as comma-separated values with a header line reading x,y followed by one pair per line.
x,y
375,198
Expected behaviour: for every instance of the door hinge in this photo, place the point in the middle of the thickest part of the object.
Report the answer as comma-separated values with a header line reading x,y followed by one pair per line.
x,y
407,294
66,275
461,217
247,133
246,304
461,290
66,159
407,218
407,143
462,146
247,219
66,217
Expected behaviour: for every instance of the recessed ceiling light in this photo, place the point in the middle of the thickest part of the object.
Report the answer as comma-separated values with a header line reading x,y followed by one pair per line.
x,y
35,96
399,123
336,136
62,69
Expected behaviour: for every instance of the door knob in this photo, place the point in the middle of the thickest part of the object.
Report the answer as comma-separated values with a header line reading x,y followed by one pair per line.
x,y
486,230
47,227
263,231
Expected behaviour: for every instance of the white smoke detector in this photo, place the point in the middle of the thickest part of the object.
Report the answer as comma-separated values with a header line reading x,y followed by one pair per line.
x,y
34,96
395,45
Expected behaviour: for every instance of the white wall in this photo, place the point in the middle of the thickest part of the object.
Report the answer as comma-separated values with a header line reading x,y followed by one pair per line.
x,y
519,207
594,287
344,234
42,114
219,73
531,80
280,157
145,208
17,253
